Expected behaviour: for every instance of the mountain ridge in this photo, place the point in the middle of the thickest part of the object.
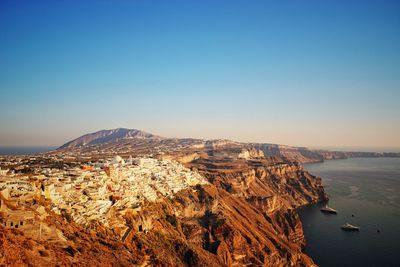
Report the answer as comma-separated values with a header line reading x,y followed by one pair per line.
x,y
110,135
124,137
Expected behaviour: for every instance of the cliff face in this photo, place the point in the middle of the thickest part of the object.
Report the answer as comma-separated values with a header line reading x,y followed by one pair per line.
x,y
306,155
263,179
299,154
246,216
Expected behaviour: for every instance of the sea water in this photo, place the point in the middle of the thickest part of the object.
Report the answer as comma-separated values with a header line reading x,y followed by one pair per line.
x,y
366,193
25,150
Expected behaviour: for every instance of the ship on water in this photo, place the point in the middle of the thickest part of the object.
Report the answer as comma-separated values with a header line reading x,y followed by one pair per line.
x,y
328,209
350,227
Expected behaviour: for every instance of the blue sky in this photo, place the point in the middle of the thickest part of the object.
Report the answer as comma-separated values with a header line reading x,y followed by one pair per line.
x,y
312,73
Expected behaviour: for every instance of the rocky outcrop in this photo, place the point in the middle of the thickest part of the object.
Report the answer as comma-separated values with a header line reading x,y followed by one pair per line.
x,y
224,254
256,203
251,153
298,154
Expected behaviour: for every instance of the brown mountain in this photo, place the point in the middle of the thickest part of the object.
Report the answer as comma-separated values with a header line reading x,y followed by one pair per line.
x,y
108,136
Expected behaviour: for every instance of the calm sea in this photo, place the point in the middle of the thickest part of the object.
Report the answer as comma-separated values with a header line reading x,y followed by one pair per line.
x,y
369,189
25,150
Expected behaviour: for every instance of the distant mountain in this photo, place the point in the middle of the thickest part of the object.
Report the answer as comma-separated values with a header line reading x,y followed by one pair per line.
x,y
109,136
123,140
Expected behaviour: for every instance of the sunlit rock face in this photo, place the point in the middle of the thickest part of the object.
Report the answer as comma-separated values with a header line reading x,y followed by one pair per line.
x,y
253,205
154,201
251,153
210,212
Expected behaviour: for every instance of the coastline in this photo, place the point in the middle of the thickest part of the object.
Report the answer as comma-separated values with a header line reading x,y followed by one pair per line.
x,y
24,150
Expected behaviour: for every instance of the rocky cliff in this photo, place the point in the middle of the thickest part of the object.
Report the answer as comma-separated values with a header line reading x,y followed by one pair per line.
x,y
245,216
306,155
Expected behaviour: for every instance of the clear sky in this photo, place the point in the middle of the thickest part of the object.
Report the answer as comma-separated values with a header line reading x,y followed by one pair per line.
x,y
309,73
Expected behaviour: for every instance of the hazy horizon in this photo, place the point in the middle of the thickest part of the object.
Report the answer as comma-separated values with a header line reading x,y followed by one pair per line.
x,y
316,147
313,74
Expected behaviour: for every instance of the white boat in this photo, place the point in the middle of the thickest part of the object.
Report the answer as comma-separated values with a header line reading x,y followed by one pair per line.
x,y
327,209
350,227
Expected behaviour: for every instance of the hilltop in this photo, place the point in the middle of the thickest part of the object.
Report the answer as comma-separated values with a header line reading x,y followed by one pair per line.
x,y
124,141
108,136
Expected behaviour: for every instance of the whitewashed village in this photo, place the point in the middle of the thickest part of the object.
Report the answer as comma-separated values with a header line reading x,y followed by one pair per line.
x,y
98,192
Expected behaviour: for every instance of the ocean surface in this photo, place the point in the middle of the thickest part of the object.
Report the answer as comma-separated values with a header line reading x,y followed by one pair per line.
x,y
369,189
22,150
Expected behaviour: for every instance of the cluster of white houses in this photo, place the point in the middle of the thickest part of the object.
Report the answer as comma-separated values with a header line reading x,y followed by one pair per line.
x,y
99,192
